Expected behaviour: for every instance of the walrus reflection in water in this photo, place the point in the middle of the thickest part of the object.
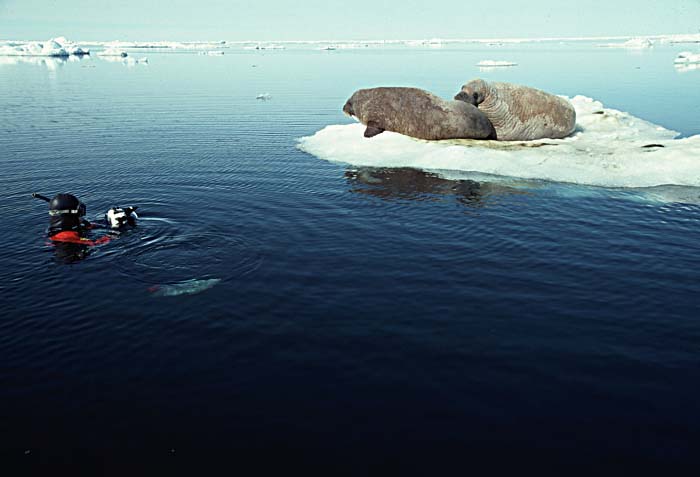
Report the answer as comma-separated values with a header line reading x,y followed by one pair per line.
x,y
415,184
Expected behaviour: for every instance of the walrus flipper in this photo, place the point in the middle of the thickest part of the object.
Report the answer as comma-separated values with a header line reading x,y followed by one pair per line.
x,y
372,129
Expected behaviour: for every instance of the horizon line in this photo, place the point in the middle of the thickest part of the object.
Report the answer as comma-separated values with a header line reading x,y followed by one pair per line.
x,y
403,40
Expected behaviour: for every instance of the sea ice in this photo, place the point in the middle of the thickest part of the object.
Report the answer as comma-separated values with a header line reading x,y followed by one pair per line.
x,y
113,52
609,148
687,58
634,44
56,47
492,63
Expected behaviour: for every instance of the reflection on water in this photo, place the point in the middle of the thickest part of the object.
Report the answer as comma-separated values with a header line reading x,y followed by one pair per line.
x,y
51,63
68,253
415,184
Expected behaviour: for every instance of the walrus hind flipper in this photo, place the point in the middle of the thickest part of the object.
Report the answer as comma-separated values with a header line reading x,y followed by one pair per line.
x,y
372,130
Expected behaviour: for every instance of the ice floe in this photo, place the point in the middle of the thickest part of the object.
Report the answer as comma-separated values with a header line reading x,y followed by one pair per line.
x,y
162,45
113,52
686,58
495,63
609,148
58,47
687,61
264,96
633,44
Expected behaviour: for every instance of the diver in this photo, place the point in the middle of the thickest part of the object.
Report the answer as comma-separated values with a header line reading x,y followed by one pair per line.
x,y
66,221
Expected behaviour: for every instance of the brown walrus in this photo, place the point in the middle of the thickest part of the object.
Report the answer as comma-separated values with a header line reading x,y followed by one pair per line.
x,y
520,113
417,113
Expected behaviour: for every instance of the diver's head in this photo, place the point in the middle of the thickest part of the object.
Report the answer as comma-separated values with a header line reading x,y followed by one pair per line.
x,y
65,211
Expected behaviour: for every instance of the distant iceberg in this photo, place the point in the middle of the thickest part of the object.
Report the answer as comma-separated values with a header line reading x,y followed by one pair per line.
x,y
609,148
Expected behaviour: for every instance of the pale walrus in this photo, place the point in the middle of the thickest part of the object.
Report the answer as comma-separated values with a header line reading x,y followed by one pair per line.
x,y
418,114
520,113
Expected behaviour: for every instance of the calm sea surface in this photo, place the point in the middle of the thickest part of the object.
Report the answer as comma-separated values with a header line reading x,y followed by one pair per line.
x,y
365,318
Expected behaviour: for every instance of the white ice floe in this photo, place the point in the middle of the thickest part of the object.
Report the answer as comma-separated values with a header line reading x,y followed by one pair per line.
x,y
610,148
685,67
263,96
687,61
632,44
495,63
263,46
55,47
686,57
113,52
162,45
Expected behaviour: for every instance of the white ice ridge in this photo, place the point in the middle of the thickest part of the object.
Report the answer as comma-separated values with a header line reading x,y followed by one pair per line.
x,y
56,47
175,45
610,148
113,52
687,58
493,63
634,44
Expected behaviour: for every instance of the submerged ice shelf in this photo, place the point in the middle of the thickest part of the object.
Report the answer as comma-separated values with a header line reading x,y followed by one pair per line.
x,y
609,148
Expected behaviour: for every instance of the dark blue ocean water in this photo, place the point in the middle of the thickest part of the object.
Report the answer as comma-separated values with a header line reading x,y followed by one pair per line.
x,y
366,319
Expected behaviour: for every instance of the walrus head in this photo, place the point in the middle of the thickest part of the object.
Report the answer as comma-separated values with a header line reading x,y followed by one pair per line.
x,y
348,109
473,92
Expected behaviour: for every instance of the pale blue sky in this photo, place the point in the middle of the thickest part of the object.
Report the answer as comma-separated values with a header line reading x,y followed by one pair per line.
x,y
347,19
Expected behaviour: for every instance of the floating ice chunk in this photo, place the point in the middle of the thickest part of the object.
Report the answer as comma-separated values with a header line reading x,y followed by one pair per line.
x,y
680,38
610,148
493,63
56,47
687,61
53,48
113,52
261,46
686,57
634,44
195,45
70,47
264,96
187,287
685,67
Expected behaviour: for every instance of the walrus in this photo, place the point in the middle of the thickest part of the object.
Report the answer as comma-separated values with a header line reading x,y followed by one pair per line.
x,y
417,113
520,113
